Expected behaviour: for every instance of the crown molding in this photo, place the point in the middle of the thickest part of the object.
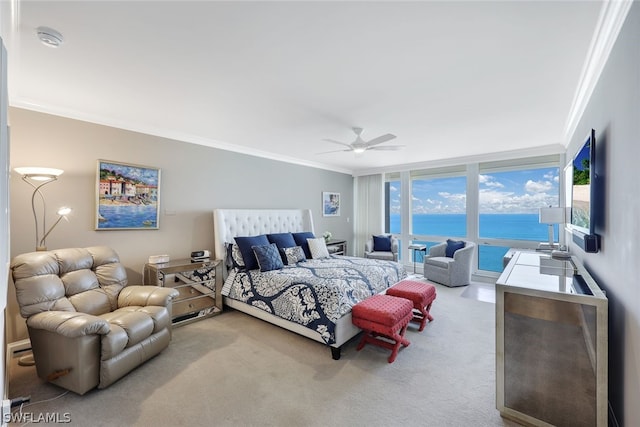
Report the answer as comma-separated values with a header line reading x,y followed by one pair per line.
x,y
168,134
612,16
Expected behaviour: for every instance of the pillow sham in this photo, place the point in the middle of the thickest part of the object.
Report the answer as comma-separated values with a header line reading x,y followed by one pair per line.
x,y
452,247
245,244
268,257
301,240
318,248
282,240
382,243
234,257
293,255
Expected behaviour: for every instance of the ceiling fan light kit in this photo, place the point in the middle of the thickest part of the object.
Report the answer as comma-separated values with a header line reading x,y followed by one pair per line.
x,y
360,146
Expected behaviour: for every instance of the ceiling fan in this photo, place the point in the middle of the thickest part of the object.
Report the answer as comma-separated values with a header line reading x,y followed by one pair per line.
x,y
360,146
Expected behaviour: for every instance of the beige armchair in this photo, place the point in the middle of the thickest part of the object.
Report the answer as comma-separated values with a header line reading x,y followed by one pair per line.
x,y
371,252
452,270
87,327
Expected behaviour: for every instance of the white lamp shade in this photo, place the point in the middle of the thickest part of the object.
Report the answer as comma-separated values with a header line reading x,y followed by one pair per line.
x,y
38,173
552,215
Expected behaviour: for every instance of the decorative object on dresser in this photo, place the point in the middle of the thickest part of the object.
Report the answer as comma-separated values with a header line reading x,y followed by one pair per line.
x,y
127,197
309,296
449,263
88,327
551,216
199,286
381,246
37,178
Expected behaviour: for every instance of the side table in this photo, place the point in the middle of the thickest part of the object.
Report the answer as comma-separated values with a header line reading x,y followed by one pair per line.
x,y
199,284
417,247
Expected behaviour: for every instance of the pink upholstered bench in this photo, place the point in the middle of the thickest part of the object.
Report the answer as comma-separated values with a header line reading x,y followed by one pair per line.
x,y
383,316
422,294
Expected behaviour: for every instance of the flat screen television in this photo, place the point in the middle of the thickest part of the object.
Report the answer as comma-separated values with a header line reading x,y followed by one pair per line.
x,y
582,194
581,186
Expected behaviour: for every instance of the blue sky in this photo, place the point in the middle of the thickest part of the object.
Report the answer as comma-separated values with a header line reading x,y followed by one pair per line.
x,y
147,175
521,191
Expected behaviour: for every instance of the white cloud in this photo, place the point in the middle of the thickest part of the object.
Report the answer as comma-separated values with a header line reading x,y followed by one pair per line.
x,y
538,186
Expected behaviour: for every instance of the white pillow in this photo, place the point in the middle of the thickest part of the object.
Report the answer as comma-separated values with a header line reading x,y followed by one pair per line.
x,y
318,248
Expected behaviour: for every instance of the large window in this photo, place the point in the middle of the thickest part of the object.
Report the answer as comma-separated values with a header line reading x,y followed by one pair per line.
x,y
494,204
509,198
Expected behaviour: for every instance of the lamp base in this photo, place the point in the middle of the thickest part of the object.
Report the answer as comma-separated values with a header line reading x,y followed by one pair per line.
x,y
41,248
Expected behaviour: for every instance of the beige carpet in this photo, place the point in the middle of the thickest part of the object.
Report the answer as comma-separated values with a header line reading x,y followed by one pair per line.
x,y
234,370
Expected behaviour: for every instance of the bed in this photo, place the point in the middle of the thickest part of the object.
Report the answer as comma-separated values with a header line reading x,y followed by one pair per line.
x,y
312,298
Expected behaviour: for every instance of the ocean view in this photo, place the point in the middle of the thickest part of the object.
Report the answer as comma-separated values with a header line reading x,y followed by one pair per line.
x,y
496,226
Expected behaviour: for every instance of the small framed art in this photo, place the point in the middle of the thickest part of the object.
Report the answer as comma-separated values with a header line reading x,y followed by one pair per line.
x,y
330,204
127,196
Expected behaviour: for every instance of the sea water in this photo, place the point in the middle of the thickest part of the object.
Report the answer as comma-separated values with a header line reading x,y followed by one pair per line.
x,y
494,226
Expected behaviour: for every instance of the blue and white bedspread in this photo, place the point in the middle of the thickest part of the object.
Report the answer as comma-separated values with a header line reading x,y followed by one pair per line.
x,y
314,293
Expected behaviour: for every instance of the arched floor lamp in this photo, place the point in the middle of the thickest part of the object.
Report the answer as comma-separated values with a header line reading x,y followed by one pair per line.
x,y
37,178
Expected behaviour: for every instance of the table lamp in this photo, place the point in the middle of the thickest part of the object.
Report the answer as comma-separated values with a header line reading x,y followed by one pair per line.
x,y
551,216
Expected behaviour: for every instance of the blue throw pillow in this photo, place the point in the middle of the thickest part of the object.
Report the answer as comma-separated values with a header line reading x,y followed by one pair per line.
x,y
301,240
245,244
452,247
268,257
282,240
382,243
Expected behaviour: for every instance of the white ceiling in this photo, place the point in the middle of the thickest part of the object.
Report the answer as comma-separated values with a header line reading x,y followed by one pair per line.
x,y
450,79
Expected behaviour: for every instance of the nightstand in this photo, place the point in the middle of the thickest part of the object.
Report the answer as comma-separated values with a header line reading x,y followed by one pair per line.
x,y
199,285
337,247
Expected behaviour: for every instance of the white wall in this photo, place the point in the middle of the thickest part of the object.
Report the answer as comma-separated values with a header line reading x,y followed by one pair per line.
x,y
194,181
614,112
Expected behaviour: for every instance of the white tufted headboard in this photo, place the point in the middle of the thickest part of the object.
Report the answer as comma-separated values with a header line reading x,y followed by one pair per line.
x,y
229,223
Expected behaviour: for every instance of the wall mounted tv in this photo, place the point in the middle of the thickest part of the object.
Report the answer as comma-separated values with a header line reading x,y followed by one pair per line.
x,y
582,195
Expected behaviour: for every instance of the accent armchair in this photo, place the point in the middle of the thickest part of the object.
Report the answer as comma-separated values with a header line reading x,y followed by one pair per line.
x,y
378,247
452,270
87,327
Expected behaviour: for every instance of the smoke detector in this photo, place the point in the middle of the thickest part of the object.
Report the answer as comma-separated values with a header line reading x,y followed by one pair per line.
x,y
49,37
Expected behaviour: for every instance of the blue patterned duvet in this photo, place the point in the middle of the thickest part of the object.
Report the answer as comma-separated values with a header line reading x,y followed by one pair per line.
x,y
314,293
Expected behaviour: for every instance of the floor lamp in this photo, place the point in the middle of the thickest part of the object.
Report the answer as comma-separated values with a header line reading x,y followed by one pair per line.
x,y
37,178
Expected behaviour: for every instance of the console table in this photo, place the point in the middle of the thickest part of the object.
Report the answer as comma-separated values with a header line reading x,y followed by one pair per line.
x,y
551,343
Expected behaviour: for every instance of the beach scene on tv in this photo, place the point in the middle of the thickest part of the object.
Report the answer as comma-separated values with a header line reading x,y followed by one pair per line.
x,y
581,190
127,196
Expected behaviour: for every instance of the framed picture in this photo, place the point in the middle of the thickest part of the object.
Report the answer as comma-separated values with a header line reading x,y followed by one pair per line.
x,y
330,204
127,196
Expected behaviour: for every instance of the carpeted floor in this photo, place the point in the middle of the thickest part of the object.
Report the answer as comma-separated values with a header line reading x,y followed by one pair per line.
x,y
234,370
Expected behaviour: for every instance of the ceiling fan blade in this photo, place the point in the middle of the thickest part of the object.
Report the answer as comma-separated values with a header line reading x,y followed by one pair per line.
x,y
387,148
380,140
337,142
334,151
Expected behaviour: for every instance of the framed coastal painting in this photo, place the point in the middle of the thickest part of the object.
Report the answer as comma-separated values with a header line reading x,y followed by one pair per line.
x,y
127,196
330,204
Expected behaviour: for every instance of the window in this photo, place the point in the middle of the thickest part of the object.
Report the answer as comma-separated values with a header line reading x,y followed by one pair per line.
x,y
508,204
392,203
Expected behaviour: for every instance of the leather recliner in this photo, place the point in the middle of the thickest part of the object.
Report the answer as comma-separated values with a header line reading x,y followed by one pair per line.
x,y
87,327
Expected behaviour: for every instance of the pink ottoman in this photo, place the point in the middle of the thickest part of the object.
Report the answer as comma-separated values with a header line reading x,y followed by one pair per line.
x,y
422,294
383,318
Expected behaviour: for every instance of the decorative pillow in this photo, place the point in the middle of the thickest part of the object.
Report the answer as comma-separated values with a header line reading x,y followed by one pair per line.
x,y
301,240
234,257
382,243
268,257
282,240
245,244
452,247
293,255
318,248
